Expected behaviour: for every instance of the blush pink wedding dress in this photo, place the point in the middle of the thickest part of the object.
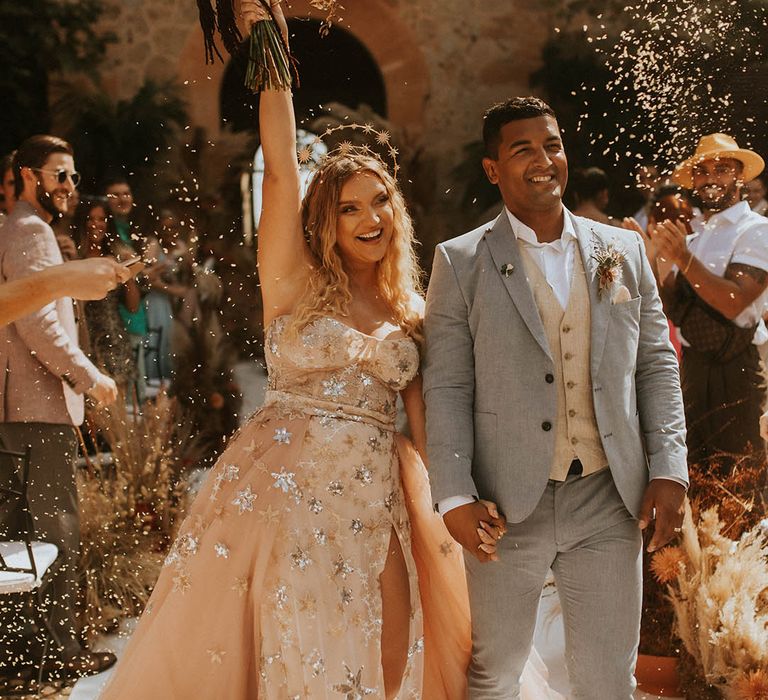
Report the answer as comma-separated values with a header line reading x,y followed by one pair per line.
x,y
271,589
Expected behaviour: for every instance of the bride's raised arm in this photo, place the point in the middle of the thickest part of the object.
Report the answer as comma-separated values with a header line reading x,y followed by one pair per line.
x,y
283,256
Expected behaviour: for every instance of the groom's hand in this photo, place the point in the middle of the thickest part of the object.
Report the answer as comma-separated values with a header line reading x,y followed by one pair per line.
x,y
665,498
477,527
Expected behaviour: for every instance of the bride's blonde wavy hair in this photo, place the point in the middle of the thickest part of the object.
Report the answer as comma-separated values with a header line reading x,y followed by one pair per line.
x,y
399,276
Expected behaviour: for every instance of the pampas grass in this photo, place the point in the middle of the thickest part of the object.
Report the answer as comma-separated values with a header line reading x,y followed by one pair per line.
x,y
720,600
129,507
734,487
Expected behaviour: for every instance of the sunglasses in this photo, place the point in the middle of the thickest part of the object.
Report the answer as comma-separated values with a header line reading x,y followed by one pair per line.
x,y
61,175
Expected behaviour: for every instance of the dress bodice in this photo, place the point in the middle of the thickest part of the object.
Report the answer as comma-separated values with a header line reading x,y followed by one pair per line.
x,y
335,368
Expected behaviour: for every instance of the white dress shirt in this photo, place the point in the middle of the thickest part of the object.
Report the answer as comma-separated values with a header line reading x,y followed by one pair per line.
x,y
734,235
555,260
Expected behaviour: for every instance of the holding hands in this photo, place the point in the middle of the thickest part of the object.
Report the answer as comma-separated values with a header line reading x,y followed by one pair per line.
x,y
477,527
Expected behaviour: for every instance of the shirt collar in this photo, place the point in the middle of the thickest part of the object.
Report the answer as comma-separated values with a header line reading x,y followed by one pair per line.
x,y
526,234
730,215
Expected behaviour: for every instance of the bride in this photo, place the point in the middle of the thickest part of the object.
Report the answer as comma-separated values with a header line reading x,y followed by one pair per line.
x,y
312,564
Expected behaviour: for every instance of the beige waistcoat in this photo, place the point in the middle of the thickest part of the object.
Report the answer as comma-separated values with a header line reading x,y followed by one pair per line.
x,y
568,333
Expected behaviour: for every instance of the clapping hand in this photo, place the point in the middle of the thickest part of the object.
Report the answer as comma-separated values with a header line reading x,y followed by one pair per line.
x,y
630,224
669,237
477,527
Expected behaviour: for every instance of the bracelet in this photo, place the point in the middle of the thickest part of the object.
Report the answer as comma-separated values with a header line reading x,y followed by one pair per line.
x,y
688,266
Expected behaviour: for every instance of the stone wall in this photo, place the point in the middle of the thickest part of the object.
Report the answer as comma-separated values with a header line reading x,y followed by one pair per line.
x,y
443,61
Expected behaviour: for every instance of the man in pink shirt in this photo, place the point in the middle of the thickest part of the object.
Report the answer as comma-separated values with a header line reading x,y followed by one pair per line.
x,y
43,377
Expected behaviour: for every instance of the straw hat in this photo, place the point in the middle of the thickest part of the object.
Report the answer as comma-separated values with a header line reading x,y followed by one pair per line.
x,y
718,146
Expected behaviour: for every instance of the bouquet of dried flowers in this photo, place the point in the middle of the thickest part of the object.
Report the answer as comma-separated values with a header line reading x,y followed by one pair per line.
x,y
269,59
130,504
270,63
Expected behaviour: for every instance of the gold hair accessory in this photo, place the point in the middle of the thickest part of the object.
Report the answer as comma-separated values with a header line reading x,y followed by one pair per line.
x,y
381,143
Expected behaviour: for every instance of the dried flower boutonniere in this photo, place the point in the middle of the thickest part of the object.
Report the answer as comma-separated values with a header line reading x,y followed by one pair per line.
x,y
609,260
507,269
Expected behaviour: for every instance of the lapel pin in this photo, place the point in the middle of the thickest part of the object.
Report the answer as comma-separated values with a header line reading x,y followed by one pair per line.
x,y
507,269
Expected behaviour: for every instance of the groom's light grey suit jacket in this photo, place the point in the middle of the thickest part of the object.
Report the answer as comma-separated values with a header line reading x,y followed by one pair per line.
x,y
488,373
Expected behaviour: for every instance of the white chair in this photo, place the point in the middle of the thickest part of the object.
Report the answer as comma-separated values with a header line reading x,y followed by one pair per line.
x,y
24,566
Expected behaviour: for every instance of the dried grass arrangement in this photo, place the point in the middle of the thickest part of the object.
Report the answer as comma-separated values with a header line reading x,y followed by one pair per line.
x,y
719,593
129,507
735,486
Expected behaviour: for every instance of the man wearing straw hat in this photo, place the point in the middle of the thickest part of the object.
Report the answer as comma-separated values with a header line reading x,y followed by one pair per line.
x,y
717,296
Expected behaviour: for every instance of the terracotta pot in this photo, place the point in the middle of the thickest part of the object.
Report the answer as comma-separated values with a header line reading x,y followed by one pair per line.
x,y
657,675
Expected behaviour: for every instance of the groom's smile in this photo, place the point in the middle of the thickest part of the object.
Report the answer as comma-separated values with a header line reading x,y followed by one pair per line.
x,y
531,169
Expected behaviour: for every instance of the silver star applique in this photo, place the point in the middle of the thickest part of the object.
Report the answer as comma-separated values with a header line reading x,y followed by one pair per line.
x,y
244,500
342,568
352,688
284,481
336,488
300,559
363,475
315,506
334,388
231,472
282,436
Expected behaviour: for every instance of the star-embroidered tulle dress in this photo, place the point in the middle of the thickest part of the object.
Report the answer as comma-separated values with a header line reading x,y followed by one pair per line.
x,y
271,589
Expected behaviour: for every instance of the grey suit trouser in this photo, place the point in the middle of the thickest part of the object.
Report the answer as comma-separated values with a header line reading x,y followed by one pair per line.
x,y
54,508
582,531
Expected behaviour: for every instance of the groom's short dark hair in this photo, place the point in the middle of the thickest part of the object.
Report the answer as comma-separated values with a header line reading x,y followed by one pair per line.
x,y
509,111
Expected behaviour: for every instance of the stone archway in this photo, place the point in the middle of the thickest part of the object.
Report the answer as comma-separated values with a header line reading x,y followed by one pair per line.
x,y
336,68
396,53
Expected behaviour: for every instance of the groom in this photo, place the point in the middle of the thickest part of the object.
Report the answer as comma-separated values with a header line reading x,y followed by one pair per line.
x,y
552,389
